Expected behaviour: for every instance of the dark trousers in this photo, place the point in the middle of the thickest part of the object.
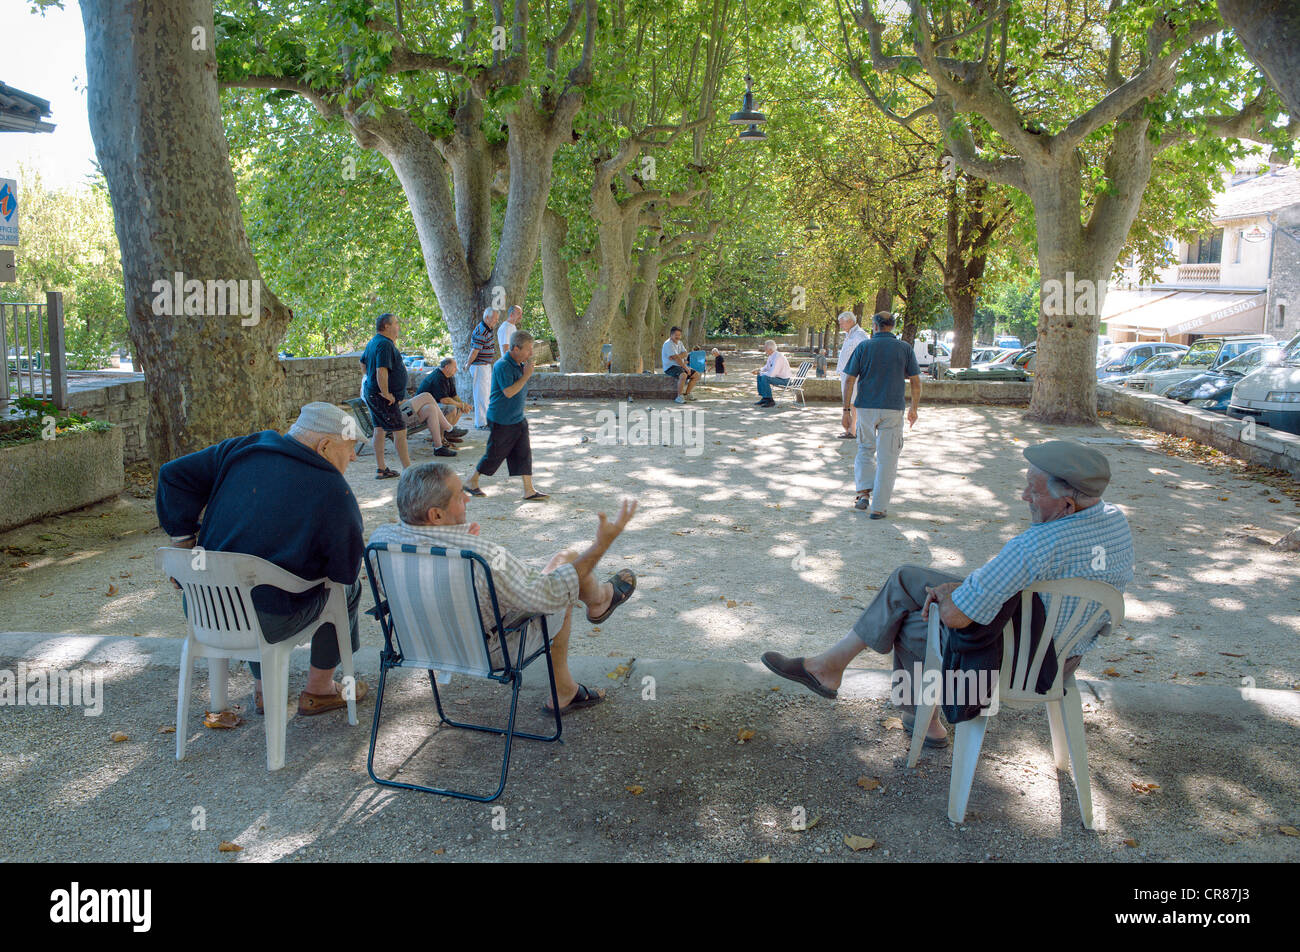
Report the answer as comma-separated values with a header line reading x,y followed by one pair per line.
x,y
507,443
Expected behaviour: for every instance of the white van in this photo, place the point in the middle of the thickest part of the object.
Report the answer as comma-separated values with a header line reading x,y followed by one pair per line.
x,y
1271,395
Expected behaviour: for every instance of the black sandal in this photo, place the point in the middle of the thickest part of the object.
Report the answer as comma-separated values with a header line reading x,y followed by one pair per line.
x,y
386,473
624,582
584,698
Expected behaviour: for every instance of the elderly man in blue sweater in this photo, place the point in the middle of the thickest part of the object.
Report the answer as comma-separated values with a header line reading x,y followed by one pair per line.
x,y
282,498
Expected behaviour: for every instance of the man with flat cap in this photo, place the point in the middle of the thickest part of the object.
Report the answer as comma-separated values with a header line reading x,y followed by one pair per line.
x,y
1074,533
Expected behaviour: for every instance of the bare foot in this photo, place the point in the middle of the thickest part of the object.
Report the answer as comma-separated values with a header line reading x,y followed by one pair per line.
x,y
829,677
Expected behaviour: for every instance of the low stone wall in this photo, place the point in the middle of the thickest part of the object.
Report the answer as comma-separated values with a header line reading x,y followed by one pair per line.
x,y
574,386
48,477
1269,447
118,401
996,392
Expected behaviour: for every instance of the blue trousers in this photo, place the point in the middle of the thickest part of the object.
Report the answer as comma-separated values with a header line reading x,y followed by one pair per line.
x,y
765,385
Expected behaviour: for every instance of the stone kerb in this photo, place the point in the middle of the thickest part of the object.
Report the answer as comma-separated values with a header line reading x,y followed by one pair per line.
x,y
1268,447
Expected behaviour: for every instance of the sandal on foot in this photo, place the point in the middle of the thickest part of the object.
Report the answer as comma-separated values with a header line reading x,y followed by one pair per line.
x,y
876,515
792,669
909,724
537,497
624,582
863,501
474,491
386,473
584,698
310,705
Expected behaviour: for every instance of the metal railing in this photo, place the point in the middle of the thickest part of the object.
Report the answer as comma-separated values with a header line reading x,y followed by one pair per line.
x,y
31,340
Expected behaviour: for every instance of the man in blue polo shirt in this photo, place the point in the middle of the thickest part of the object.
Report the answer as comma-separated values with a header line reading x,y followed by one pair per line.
x,y
507,428
878,367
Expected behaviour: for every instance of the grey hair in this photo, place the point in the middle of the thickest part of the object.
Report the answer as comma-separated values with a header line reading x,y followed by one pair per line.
x,y
847,316
423,487
772,342
1058,488
488,312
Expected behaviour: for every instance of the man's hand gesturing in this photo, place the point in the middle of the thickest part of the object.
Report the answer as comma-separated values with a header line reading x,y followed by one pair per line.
x,y
606,531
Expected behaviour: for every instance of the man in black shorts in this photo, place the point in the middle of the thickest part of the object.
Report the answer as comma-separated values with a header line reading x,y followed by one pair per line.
x,y
384,390
507,428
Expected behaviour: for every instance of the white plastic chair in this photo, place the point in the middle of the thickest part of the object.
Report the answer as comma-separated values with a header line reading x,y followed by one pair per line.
x,y
218,589
1016,684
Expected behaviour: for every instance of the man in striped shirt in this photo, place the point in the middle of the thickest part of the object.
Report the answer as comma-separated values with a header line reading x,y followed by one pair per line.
x,y
482,355
431,506
1074,534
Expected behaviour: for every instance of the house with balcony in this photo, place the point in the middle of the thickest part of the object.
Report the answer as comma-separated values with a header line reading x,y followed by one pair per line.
x,y
1243,277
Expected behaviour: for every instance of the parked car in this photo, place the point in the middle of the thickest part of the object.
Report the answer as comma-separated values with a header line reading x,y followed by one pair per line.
x,y
1008,343
1120,360
1011,365
1271,394
1212,390
1206,354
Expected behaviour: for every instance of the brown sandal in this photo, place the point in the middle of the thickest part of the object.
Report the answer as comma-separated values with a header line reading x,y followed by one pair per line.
x,y
310,705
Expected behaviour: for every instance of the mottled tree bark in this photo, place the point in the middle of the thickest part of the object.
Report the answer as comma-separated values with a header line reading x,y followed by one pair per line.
x,y
156,122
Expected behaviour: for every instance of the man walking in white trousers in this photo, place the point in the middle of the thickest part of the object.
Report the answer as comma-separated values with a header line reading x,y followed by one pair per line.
x,y
482,355
873,384
853,336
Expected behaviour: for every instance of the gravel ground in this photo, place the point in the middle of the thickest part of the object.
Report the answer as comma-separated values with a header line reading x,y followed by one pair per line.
x,y
639,779
752,542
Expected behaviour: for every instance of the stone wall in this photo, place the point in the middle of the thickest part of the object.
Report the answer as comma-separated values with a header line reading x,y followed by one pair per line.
x,y
1268,448
46,477
996,392
118,401
574,386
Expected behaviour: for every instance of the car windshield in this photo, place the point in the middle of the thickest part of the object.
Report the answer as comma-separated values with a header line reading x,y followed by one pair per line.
x,y
1111,354
1292,355
1251,359
1201,354
1159,362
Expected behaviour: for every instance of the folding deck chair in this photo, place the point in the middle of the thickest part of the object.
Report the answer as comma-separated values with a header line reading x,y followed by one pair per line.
x,y
427,603
796,383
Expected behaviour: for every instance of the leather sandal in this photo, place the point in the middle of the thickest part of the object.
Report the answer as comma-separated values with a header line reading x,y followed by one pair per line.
x,y
310,705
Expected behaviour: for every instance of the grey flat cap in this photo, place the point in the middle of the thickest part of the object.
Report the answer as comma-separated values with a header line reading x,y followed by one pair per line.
x,y
323,418
1085,469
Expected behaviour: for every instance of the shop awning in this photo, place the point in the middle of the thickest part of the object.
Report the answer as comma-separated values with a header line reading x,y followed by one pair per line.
x,y
1171,313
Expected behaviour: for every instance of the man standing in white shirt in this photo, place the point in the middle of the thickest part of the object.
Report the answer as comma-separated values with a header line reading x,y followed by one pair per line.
x,y
853,336
775,371
673,358
508,327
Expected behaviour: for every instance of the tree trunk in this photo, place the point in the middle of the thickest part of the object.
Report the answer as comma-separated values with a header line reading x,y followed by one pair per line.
x,y
1270,32
156,121
962,303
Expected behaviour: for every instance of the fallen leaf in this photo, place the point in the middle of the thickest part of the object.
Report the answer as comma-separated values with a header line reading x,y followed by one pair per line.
x,y
1130,842
619,672
776,687
1288,830
1198,674
761,859
837,611
167,730
112,590
439,851
223,720
730,603
892,723
636,790
868,783
1144,787
595,628
858,843
1231,655
47,595
1111,672
744,734
117,737
228,847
